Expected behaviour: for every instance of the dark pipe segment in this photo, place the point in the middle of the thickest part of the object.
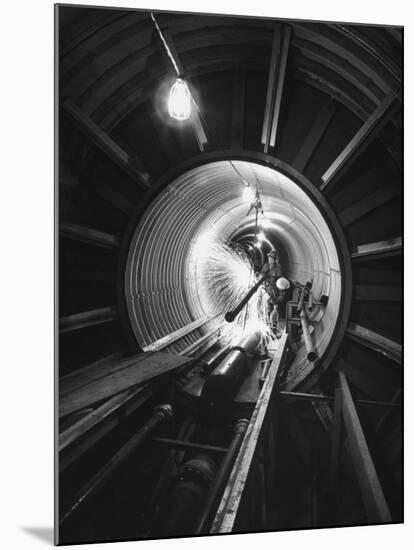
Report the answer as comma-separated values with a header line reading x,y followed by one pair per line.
x,y
161,414
222,476
231,315
188,495
221,386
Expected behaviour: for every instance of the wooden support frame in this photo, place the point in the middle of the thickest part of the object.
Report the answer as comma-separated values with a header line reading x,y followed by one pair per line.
x,y
376,342
378,249
275,86
88,235
371,491
359,142
131,165
85,319
228,509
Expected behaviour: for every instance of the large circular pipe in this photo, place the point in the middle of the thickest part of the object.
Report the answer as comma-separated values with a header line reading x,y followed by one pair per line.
x,y
166,283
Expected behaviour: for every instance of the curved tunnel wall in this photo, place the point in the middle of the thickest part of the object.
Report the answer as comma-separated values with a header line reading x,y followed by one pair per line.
x,y
165,289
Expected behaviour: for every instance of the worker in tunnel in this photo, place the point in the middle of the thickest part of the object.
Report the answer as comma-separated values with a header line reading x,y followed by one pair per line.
x,y
279,290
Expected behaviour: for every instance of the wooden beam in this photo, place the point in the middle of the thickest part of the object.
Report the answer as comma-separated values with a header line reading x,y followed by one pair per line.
x,y
99,422
379,249
131,165
314,136
368,204
376,342
88,235
359,142
238,110
336,437
85,319
371,491
177,334
315,397
377,293
229,506
397,395
275,85
90,387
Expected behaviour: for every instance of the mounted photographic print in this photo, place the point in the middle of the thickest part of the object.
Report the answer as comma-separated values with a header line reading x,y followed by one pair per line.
x,y
229,197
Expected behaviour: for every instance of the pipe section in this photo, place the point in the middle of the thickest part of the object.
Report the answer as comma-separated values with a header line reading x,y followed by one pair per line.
x,y
102,476
221,386
222,477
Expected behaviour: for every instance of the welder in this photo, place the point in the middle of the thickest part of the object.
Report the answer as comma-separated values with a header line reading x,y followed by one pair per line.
x,y
278,288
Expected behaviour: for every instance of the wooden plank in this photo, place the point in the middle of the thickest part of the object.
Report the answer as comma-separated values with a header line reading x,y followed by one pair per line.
x,y
315,398
177,334
93,371
389,247
336,436
371,491
276,82
368,204
238,110
314,136
377,293
375,341
86,319
114,378
131,165
359,142
82,435
88,235
201,341
280,84
230,502
271,83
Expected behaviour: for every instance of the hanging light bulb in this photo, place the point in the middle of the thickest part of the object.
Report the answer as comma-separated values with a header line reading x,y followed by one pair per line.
x,y
248,194
179,102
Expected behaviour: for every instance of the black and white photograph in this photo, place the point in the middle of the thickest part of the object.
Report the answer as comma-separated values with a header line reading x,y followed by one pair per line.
x,y
229,232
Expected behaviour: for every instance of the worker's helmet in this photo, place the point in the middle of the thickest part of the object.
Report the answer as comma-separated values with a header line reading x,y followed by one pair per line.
x,y
282,283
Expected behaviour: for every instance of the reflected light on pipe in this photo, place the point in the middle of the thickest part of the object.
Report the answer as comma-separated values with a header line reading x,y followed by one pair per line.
x,y
248,194
179,101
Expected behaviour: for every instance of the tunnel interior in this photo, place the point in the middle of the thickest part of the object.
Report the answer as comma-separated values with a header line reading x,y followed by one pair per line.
x,y
148,204
167,281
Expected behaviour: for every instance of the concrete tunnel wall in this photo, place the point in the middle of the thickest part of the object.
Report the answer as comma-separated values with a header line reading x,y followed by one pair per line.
x,y
163,287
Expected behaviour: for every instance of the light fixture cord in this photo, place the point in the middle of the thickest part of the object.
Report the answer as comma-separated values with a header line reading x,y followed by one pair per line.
x,y
167,49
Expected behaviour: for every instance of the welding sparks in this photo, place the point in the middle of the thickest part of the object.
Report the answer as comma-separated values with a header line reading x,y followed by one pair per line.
x,y
225,274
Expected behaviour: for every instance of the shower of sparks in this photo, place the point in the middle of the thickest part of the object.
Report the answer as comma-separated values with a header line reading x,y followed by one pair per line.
x,y
226,274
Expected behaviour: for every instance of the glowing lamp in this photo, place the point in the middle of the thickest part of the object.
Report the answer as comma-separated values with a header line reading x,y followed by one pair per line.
x,y
261,236
179,102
